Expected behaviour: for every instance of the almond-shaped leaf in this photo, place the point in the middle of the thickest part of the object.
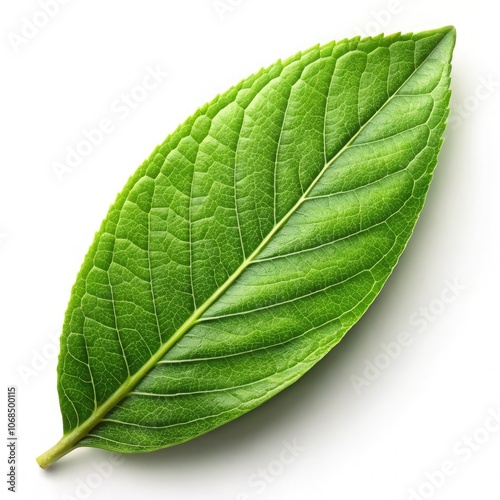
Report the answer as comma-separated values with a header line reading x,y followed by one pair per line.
x,y
250,241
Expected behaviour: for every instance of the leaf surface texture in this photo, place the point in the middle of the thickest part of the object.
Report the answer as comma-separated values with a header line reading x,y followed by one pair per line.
x,y
251,240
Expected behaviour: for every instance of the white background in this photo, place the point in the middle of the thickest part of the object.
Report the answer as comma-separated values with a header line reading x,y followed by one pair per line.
x,y
378,441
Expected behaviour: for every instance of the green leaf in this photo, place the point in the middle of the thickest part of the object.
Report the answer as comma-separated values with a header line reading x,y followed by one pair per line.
x,y
250,241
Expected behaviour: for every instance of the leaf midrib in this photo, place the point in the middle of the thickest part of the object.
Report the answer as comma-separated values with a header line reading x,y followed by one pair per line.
x,y
72,438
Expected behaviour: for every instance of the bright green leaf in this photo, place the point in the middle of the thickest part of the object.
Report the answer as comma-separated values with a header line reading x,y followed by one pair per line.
x,y
250,241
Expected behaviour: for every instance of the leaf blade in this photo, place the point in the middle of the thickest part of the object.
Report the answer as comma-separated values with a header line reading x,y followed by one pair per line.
x,y
273,254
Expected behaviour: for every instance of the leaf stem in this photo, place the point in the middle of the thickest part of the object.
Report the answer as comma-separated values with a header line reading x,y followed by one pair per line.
x,y
61,448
